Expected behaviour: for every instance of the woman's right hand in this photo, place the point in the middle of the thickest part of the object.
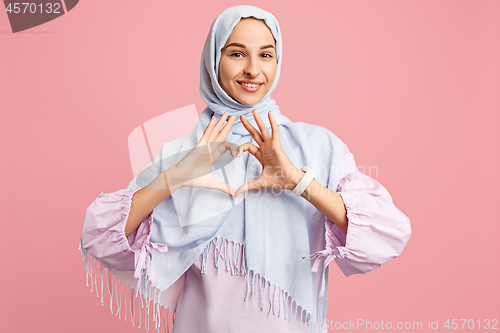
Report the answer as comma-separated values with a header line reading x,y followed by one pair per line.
x,y
195,169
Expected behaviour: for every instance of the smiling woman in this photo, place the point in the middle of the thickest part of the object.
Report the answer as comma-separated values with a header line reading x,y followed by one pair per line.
x,y
164,234
248,62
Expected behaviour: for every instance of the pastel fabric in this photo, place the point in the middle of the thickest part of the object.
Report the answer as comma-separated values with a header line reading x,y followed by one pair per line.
x,y
191,218
224,299
272,233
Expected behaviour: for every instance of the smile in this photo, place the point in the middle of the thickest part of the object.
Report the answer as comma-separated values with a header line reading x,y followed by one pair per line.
x,y
252,87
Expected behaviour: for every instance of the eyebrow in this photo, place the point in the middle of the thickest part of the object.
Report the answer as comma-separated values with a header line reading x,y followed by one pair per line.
x,y
244,46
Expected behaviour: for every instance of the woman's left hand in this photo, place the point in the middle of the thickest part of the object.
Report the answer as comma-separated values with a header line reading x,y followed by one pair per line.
x,y
278,171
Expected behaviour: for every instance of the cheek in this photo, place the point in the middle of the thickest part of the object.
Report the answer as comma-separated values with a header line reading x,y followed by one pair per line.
x,y
271,73
224,72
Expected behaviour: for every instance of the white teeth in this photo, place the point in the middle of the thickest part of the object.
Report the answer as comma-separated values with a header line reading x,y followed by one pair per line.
x,y
249,85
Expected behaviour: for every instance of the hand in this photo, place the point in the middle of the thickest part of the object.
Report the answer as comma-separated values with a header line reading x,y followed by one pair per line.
x,y
195,169
278,171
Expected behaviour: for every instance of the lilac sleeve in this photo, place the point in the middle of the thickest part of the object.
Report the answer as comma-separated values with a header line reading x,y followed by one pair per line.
x,y
103,234
377,231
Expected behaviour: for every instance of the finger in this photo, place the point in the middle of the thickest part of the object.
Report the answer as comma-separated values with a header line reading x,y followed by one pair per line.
x,y
253,185
227,127
252,130
217,127
210,153
206,133
250,147
232,147
274,127
216,185
264,132
223,147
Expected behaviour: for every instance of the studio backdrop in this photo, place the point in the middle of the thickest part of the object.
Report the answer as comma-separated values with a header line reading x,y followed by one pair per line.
x,y
412,87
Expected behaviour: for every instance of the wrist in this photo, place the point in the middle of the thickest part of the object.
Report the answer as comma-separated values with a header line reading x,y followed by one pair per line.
x,y
305,181
171,181
295,177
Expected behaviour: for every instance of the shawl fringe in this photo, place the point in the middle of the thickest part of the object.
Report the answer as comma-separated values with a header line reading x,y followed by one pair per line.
x,y
138,301
140,305
287,307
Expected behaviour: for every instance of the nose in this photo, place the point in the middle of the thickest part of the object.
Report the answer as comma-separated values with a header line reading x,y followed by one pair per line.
x,y
251,69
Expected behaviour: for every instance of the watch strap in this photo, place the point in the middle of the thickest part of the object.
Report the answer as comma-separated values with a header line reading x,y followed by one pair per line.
x,y
305,181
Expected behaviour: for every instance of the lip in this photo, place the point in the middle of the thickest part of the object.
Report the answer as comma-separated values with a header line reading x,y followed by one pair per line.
x,y
249,81
248,88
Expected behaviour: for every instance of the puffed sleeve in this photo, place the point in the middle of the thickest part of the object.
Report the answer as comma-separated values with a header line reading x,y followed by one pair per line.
x,y
103,234
377,230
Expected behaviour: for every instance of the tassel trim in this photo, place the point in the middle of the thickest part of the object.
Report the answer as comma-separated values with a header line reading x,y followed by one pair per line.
x,y
280,303
140,305
144,300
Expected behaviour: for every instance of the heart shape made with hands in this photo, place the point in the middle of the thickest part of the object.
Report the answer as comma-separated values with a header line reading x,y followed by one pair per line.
x,y
167,132
26,15
278,172
150,136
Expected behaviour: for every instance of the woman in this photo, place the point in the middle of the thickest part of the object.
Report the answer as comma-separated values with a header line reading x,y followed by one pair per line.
x,y
158,235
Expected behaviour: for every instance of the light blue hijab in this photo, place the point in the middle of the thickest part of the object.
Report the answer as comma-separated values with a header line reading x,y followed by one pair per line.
x,y
217,99
272,229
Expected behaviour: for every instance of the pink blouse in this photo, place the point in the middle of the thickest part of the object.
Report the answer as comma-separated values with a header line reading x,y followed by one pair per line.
x,y
214,301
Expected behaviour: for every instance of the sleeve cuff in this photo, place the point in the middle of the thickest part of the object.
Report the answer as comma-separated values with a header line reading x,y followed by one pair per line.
x,y
366,245
142,233
103,234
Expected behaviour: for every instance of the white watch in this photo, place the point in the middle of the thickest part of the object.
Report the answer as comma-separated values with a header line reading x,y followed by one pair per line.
x,y
305,181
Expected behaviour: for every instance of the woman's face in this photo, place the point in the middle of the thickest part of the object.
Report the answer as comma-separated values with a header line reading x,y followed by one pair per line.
x,y
248,62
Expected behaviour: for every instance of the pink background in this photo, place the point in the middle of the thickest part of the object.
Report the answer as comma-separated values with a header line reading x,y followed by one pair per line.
x,y
412,87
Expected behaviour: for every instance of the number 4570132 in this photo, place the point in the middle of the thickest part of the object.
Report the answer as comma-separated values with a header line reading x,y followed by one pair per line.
x,y
50,8
487,324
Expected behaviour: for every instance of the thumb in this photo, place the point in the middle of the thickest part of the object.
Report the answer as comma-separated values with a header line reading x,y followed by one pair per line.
x,y
253,185
217,185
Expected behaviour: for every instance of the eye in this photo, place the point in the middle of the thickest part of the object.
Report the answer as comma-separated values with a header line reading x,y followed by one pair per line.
x,y
234,54
267,55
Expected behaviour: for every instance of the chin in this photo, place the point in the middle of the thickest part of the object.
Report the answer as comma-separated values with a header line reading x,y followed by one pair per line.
x,y
250,101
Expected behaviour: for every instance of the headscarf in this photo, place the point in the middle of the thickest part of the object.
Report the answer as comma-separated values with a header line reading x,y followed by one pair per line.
x,y
271,230
216,98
